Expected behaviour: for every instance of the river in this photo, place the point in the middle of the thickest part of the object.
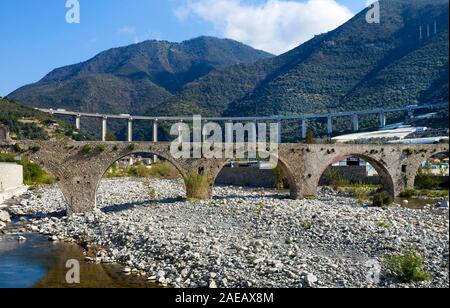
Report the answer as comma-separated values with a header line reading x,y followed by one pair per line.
x,y
39,263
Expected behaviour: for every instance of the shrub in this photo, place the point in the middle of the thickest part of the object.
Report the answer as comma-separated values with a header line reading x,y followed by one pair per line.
x,y
381,199
281,181
334,178
407,266
86,149
139,171
425,181
35,149
131,147
408,193
307,225
197,186
34,175
164,170
409,152
101,148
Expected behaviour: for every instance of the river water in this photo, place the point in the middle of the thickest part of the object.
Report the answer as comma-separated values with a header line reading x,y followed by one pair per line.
x,y
38,263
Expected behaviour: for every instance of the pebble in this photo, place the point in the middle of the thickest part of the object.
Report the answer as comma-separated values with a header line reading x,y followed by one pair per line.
x,y
234,244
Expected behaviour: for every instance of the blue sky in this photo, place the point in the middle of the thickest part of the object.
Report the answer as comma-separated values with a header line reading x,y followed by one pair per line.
x,y
35,37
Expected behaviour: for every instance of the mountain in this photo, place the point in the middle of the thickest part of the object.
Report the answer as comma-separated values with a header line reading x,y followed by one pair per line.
x,y
135,78
28,123
357,66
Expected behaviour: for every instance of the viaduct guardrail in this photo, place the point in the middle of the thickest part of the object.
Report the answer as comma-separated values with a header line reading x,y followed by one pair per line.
x,y
304,118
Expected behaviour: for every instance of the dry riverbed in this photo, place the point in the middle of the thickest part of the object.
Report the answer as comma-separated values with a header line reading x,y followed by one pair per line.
x,y
243,238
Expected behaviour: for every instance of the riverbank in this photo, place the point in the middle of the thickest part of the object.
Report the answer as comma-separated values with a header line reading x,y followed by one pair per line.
x,y
243,238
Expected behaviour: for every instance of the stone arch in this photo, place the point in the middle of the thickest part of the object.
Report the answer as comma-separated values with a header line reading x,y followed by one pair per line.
x,y
386,177
108,163
293,185
416,164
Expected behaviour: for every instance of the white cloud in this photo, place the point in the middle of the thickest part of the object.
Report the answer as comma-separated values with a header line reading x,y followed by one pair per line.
x,y
126,30
275,25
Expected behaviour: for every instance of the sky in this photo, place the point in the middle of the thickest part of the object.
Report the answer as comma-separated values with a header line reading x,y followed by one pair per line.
x,y
36,38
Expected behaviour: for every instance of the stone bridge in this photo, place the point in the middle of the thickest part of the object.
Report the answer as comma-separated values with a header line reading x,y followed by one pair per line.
x,y
79,166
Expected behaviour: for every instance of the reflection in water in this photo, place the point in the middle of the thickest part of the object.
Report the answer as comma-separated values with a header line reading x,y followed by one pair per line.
x,y
41,264
416,203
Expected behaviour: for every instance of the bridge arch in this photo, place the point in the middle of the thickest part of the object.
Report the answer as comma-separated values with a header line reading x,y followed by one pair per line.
x,y
161,156
386,178
417,163
282,163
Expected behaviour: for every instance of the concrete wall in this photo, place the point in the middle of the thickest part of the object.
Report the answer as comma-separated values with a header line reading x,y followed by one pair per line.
x,y
351,174
250,177
11,176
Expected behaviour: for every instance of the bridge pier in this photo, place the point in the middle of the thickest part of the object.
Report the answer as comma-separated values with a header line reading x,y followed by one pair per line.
x,y
355,123
78,122
330,125
155,137
104,128
130,130
382,119
304,128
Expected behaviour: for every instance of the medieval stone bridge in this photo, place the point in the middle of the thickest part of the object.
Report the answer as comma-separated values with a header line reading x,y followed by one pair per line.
x,y
79,171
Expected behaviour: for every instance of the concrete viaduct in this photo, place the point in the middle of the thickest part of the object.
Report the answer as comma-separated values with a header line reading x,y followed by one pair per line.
x,y
80,166
354,116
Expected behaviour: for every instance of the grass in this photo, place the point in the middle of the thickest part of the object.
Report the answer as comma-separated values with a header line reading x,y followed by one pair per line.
x,y
383,224
407,266
382,199
362,192
159,170
197,186
260,208
438,193
306,225
86,149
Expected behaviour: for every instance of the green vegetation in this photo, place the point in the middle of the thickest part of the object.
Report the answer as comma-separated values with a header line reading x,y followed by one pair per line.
x,y
34,149
336,180
101,148
306,225
28,123
407,266
350,68
260,208
383,224
443,193
425,181
382,199
33,174
310,138
197,186
281,180
160,170
87,149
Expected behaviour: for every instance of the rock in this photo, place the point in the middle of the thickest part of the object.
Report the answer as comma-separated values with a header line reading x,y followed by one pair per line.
x,y
443,204
212,285
53,238
4,217
311,279
2,225
405,202
126,270
21,238
241,248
